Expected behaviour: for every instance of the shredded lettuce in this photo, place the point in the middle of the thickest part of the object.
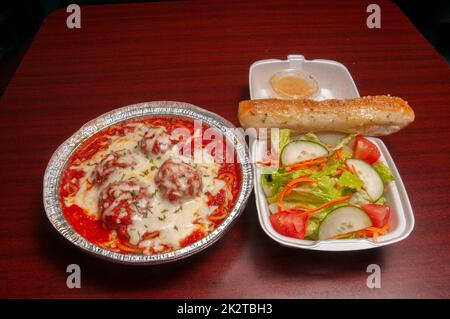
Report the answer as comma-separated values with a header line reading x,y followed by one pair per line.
x,y
313,138
330,168
267,184
346,154
279,138
360,198
381,201
316,194
312,228
345,141
384,172
273,183
327,185
350,181
285,135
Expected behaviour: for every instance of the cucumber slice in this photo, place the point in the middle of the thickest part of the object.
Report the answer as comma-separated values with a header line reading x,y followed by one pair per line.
x,y
342,220
331,138
299,151
372,181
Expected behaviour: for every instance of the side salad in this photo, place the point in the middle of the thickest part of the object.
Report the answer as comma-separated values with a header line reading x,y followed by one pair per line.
x,y
326,186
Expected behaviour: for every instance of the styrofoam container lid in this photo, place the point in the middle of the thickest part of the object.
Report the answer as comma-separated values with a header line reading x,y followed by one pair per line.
x,y
333,78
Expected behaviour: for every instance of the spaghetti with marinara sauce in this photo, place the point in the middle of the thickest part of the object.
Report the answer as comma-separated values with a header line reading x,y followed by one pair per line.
x,y
133,188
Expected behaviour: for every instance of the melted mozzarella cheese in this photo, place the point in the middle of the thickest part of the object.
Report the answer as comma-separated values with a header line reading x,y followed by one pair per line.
x,y
173,221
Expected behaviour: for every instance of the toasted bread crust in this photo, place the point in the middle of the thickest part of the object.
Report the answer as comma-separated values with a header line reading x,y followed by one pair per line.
x,y
370,115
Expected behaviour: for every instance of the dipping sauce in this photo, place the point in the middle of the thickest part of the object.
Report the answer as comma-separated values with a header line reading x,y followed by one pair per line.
x,y
294,84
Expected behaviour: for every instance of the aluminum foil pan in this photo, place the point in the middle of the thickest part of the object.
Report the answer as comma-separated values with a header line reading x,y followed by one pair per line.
x,y
60,157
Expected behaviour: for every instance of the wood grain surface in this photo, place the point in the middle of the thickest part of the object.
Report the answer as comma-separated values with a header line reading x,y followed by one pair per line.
x,y
200,52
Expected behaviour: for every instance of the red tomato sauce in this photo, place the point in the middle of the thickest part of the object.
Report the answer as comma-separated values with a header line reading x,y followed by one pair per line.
x,y
88,227
195,236
94,229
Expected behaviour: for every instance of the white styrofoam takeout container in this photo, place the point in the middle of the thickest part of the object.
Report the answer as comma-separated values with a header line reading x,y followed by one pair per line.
x,y
334,81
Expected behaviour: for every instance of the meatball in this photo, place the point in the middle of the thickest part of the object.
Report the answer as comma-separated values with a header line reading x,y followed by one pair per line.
x,y
120,201
108,165
178,181
156,141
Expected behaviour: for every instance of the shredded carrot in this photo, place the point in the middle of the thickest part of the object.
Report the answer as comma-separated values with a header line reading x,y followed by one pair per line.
x,y
306,164
338,154
301,167
338,172
293,167
294,211
383,230
375,237
370,231
291,184
333,202
265,163
304,207
341,236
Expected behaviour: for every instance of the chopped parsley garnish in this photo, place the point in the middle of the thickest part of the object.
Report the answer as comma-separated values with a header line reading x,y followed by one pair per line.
x,y
155,192
144,173
164,211
154,167
178,209
162,218
175,227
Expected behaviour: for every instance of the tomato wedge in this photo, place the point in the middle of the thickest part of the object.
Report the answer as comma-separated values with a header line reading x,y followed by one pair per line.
x,y
365,150
379,214
291,224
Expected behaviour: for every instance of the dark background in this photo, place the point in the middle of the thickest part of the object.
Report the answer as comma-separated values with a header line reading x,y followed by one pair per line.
x,y
21,19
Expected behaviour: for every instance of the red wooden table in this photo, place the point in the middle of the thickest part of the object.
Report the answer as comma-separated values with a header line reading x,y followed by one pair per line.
x,y
200,53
